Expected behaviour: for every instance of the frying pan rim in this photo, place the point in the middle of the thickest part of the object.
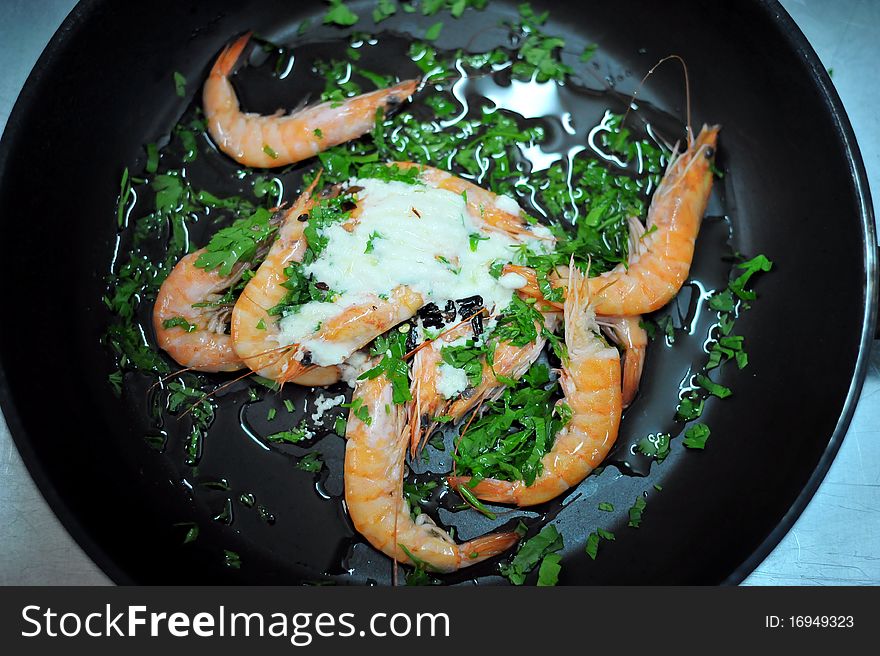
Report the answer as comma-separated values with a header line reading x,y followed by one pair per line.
x,y
793,38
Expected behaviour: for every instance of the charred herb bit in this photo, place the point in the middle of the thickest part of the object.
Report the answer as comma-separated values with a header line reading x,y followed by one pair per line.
x,y
392,348
311,462
695,436
531,552
635,513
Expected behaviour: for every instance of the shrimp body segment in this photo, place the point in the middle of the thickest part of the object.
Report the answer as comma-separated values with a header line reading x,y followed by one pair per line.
x,y
375,456
590,381
652,278
277,140
188,324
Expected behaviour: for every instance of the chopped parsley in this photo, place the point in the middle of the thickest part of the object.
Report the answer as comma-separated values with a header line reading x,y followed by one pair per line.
x,y
392,348
655,446
635,513
340,14
311,462
593,540
239,243
695,436
292,436
514,432
531,552
179,322
179,84
359,410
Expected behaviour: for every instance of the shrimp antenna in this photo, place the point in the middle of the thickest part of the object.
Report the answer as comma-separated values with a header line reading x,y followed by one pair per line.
x,y
687,93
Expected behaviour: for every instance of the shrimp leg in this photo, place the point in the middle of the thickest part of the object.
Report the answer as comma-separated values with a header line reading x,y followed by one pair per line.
x,y
277,140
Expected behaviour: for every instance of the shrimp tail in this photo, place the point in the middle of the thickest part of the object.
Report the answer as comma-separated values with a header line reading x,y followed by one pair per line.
x,y
230,56
488,546
489,489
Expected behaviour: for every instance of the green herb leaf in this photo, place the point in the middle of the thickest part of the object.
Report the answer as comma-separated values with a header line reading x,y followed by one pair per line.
x,y
340,14
635,513
179,84
531,552
695,436
548,573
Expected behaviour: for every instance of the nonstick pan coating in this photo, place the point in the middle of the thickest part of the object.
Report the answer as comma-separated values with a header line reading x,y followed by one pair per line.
x,y
798,191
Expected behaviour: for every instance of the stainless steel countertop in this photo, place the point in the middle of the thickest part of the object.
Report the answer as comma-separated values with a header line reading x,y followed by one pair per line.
x,y
836,540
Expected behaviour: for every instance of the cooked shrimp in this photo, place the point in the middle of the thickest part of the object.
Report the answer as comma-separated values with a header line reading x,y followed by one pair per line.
x,y
590,380
660,262
277,140
190,325
375,457
255,333
628,334
652,278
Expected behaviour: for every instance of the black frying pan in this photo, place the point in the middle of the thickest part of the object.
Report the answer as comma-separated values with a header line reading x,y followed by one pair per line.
x,y
796,191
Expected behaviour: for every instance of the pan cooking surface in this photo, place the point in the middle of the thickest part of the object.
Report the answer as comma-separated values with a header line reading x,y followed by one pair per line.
x,y
715,507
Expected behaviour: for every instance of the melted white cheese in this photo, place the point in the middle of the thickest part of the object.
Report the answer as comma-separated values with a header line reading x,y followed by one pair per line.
x,y
417,236
451,381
